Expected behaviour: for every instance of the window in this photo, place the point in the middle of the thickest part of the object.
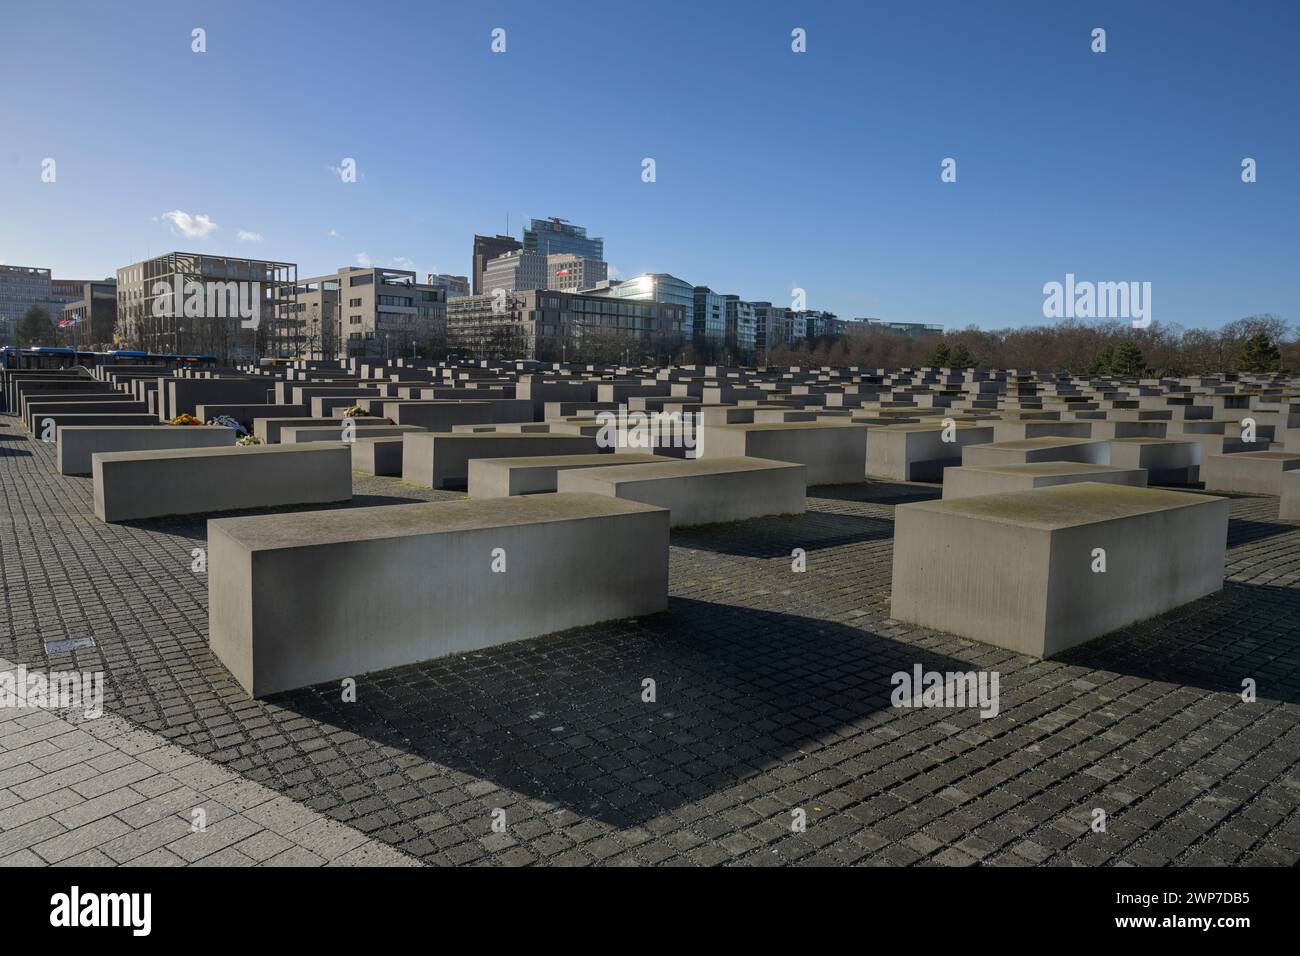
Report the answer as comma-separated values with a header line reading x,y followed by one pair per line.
x,y
354,320
354,303
366,279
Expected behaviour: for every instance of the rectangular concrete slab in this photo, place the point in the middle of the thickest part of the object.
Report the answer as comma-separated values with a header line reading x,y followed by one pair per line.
x,y
1248,472
970,480
299,599
920,452
503,477
1018,569
1043,448
378,456
149,484
441,459
701,490
77,443
1167,461
832,452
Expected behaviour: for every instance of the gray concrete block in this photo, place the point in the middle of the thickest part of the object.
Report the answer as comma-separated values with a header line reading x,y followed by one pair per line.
x,y
970,480
700,490
441,459
149,484
76,443
1016,569
503,477
302,598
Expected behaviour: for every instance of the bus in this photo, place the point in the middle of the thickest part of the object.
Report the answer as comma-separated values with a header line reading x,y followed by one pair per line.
x,y
53,357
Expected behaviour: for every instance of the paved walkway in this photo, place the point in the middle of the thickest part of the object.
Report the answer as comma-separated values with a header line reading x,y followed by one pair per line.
x,y
773,695
102,792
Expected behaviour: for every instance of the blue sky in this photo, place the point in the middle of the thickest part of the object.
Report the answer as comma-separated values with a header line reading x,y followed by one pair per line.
x,y
774,169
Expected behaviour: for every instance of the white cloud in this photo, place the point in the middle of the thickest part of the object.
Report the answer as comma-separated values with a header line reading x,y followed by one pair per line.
x,y
363,260
246,236
193,227
332,233
402,262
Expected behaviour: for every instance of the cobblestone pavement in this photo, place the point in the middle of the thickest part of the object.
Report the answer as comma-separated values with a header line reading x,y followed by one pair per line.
x,y
78,791
772,695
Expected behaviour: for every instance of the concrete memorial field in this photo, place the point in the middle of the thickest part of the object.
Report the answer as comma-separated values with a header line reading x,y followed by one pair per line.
x,y
443,538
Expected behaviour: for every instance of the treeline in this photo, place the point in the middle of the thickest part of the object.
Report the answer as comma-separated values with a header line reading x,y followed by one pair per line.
x,y
1259,343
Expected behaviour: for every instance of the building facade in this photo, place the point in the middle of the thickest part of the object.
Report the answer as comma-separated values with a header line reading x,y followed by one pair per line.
x,y
916,330
22,287
709,322
190,302
371,313
567,272
487,248
769,327
550,325
655,287
553,237
454,285
91,318
740,325
518,271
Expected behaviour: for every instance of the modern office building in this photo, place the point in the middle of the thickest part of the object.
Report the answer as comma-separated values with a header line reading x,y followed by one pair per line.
x,y
567,272
518,271
740,325
769,327
22,287
654,287
916,330
487,248
371,313
552,237
92,317
455,285
558,326
710,316
820,325
236,309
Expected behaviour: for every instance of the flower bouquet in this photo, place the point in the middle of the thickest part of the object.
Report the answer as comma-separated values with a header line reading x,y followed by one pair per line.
x,y
355,411
185,419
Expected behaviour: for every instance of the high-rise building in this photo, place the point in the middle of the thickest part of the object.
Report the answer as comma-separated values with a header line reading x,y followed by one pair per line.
x,y
710,318
567,272
518,271
371,313
22,287
192,302
455,285
655,287
487,248
740,324
551,237
555,326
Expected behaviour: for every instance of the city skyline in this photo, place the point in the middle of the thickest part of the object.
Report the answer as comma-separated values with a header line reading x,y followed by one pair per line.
x,y
773,169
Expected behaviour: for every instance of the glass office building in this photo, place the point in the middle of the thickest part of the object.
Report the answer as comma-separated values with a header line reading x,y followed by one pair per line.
x,y
553,237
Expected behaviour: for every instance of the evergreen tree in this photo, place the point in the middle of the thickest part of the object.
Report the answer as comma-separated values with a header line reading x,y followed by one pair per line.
x,y
1102,362
35,328
1259,354
961,357
1127,361
940,357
